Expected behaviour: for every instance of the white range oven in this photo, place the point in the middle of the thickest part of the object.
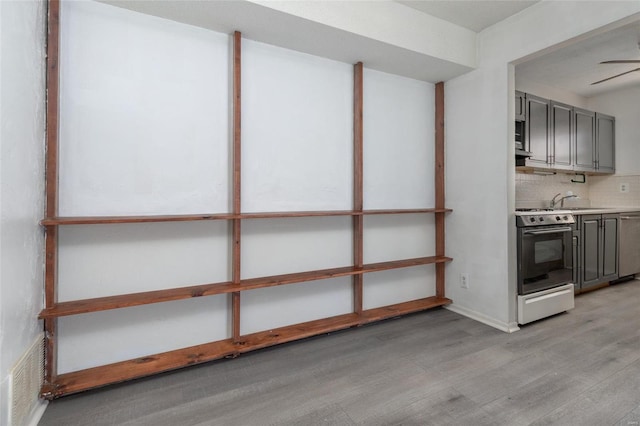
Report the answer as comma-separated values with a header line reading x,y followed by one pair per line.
x,y
546,259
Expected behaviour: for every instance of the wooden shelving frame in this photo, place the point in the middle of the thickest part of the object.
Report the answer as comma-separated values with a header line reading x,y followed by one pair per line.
x,y
56,385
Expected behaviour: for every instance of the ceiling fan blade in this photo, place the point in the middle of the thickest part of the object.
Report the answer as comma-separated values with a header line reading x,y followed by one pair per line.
x,y
615,76
623,61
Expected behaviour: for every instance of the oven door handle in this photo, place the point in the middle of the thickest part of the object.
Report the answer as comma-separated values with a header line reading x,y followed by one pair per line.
x,y
548,231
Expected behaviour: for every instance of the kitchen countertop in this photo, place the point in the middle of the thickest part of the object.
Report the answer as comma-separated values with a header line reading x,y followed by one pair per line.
x,y
601,210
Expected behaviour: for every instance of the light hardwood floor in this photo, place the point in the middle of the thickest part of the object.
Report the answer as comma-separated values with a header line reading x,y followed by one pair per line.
x,y
432,368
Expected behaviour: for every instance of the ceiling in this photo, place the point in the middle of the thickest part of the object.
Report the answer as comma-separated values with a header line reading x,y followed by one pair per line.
x,y
577,65
474,15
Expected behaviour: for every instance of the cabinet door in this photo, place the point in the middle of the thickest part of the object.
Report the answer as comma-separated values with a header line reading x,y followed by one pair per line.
x,y
584,149
520,107
590,250
561,135
537,134
575,242
605,143
609,247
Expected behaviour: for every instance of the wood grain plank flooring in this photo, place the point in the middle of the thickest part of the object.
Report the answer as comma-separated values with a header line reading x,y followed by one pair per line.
x,y
430,368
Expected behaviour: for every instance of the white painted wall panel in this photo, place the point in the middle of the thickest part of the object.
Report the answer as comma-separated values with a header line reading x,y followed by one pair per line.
x,y
106,260
144,119
281,246
399,285
395,237
100,338
399,142
269,308
297,131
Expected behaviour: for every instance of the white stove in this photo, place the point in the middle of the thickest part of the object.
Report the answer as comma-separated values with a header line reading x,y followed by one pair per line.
x,y
546,259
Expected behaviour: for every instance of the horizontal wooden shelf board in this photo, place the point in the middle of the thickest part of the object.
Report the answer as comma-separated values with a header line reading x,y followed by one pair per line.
x,y
404,211
276,215
77,381
85,306
105,220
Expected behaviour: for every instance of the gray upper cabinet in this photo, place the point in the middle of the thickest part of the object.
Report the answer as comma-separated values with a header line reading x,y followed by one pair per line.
x,y
520,106
605,143
561,136
585,139
537,131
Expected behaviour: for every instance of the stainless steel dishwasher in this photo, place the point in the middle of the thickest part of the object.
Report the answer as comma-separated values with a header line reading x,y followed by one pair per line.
x,y
629,244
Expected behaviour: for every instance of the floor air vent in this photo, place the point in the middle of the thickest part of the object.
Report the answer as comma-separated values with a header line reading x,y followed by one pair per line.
x,y
24,386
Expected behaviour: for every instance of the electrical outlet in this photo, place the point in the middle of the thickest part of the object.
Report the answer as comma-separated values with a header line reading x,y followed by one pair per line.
x,y
624,187
464,280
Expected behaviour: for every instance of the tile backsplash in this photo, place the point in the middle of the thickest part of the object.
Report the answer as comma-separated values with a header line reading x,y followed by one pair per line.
x,y
599,191
605,191
537,190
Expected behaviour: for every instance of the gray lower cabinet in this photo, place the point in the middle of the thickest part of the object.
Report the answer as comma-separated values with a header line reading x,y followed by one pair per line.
x,y
598,249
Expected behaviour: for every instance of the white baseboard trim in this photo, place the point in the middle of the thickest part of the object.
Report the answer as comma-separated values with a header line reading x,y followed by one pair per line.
x,y
37,413
507,327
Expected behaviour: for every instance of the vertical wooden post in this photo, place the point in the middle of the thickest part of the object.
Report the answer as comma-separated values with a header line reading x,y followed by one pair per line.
x,y
237,176
51,187
439,189
358,219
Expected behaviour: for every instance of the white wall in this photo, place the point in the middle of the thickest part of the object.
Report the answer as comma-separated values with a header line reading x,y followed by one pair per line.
x,y
140,95
549,92
605,190
133,141
625,106
480,152
22,113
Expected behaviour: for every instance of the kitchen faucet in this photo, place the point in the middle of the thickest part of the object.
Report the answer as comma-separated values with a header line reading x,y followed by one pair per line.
x,y
553,202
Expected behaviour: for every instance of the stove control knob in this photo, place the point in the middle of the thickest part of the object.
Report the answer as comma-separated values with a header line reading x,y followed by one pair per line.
x,y
541,219
565,217
558,218
532,219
